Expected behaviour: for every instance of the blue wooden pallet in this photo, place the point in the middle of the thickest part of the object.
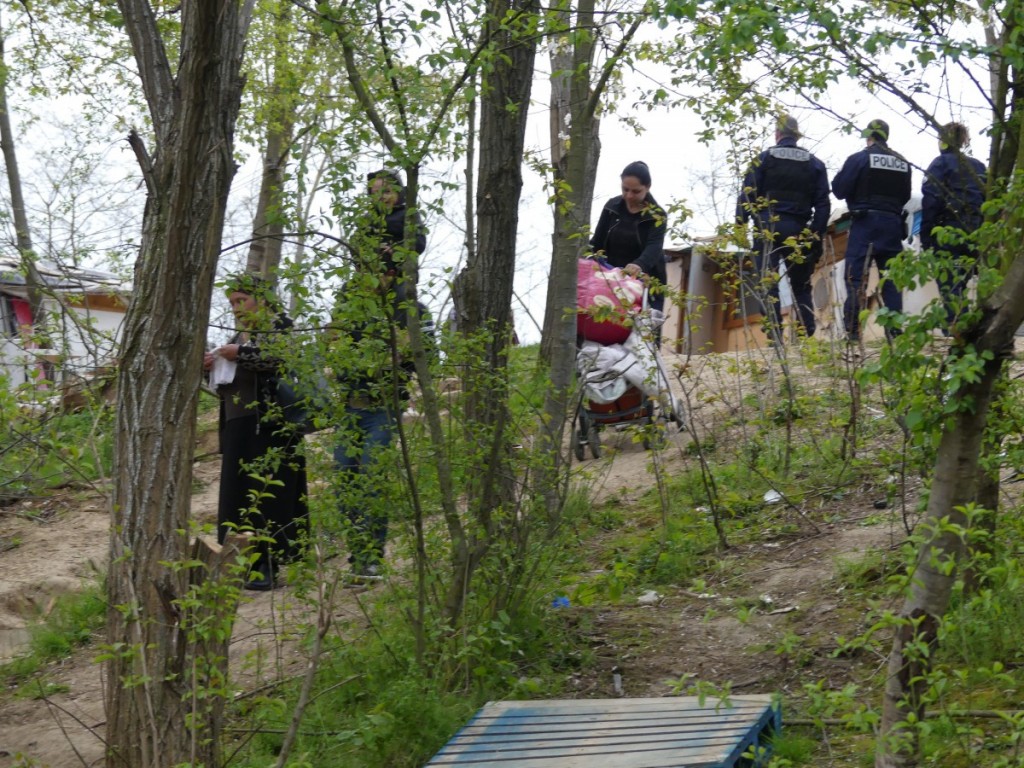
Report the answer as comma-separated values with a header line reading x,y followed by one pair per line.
x,y
669,732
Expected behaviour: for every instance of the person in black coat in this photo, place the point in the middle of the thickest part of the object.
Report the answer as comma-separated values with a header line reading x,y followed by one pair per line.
x,y
630,232
263,476
876,185
951,196
786,193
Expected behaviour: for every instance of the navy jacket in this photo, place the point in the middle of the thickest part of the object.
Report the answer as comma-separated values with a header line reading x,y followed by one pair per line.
x,y
952,194
626,238
876,185
793,180
383,231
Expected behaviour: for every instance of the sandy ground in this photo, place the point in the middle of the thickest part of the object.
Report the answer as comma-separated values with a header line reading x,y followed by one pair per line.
x,y
50,547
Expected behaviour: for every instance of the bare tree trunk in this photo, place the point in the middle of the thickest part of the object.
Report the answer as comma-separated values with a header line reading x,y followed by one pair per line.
x,y
574,159
485,286
575,148
268,222
154,671
955,484
33,280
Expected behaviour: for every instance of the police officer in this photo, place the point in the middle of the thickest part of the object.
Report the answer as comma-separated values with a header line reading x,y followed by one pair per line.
x,y
786,194
875,183
951,196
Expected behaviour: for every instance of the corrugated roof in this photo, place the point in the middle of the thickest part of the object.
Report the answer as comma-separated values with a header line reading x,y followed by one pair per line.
x,y
64,278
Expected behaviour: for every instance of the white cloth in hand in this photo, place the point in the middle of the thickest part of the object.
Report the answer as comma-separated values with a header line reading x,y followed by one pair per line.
x,y
223,371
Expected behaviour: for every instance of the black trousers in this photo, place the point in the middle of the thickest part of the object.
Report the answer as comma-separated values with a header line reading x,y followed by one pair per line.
x,y
253,453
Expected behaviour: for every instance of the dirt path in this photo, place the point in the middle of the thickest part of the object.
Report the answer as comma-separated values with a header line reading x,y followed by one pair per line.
x,y
672,636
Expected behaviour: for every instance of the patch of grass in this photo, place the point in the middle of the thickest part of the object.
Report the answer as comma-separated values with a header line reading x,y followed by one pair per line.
x,y
372,708
870,570
38,454
40,689
73,622
672,554
986,627
793,747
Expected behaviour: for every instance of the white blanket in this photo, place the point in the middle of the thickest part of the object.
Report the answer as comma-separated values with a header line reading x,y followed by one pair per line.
x,y
607,370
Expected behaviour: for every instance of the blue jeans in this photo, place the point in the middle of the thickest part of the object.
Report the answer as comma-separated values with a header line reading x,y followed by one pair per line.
x,y
358,443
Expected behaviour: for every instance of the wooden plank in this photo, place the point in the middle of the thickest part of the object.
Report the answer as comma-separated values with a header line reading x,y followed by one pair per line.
x,y
504,731
628,755
678,732
690,741
684,720
540,718
628,706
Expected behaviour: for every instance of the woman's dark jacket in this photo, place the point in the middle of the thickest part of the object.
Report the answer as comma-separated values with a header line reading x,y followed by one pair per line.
x,y
627,238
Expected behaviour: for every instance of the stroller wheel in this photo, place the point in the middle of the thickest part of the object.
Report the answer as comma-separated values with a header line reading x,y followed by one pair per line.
x,y
581,435
595,442
577,443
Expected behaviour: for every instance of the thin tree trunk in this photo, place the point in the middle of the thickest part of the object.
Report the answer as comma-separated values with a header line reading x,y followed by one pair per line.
x,y
485,286
268,223
156,665
954,484
575,150
575,169
33,280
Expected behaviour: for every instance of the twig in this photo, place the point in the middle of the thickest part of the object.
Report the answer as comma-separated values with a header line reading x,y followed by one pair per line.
x,y
966,714
52,705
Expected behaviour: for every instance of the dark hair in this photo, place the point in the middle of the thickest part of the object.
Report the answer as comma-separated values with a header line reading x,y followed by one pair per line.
x,y
394,180
787,125
955,135
391,176
639,170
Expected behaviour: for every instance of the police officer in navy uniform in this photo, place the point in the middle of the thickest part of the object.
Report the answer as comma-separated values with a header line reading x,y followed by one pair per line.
x,y
876,184
951,196
786,194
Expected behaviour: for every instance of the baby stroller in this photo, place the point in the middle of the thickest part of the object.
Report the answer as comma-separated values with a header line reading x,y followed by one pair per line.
x,y
621,373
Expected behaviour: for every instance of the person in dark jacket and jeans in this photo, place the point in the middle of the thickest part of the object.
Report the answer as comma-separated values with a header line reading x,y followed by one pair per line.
x,y
951,196
876,185
383,231
263,475
630,232
786,194
370,344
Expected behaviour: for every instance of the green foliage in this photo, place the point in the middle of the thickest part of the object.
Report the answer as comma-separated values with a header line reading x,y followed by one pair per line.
x,y
40,449
871,570
680,552
790,749
375,717
373,706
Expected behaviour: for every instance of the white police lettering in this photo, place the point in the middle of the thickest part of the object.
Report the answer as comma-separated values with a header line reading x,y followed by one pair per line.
x,y
790,153
890,163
